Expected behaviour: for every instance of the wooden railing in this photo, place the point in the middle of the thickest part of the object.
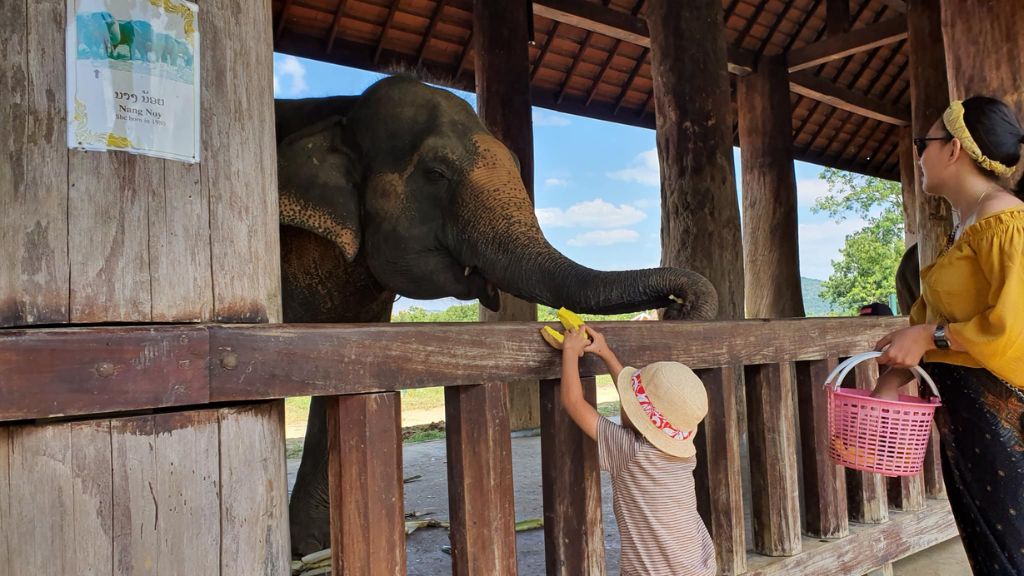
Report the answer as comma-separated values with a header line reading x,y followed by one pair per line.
x,y
838,522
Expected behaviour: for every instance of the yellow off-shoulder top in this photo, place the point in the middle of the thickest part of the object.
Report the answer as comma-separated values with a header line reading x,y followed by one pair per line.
x,y
977,289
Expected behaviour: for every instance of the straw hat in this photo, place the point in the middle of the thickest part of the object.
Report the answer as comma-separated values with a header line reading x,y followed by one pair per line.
x,y
665,401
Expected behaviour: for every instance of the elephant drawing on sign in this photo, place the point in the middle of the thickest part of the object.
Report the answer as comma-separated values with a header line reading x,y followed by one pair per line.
x,y
98,35
137,37
403,191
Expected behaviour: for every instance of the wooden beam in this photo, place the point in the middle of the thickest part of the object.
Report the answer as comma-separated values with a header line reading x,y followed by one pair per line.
x,y
338,15
552,34
897,5
281,19
837,17
384,32
815,88
848,44
434,19
622,26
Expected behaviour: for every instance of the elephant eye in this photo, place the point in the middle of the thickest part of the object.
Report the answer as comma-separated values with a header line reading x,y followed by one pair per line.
x,y
436,174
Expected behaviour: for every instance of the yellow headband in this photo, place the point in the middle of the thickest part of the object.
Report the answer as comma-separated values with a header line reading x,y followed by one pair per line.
x,y
953,118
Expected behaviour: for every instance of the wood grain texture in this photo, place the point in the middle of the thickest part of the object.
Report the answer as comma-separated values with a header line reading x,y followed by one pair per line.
x,y
934,486
279,361
718,476
480,495
770,257
239,173
6,524
909,189
254,490
573,534
907,493
845,45
365,472
694,136
825,512
135,512
93,494
34,284
866,494
87,371
772,436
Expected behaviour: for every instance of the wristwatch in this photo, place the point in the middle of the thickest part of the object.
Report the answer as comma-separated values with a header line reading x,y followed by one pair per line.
x,y
939,337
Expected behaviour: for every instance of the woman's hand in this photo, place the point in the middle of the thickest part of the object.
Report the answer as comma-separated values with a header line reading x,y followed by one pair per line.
x,y
574,343
905,347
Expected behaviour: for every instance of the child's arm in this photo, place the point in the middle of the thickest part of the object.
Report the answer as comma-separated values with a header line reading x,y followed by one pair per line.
x,y
601,349
890,382
575,404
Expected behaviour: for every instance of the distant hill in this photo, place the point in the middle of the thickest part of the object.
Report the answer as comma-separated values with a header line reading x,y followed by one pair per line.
x,y
814,305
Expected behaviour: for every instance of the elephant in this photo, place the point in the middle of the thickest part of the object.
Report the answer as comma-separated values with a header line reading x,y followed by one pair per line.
x,y
403,191
98,35
137,36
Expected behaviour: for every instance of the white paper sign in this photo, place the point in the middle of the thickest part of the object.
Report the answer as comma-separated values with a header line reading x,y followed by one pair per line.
x,y
133,77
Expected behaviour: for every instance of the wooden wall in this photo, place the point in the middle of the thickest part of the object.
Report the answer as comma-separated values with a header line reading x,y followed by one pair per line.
x,y
90,237
202,492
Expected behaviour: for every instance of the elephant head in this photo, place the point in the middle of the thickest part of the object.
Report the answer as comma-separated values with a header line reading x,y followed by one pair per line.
x,y
408,177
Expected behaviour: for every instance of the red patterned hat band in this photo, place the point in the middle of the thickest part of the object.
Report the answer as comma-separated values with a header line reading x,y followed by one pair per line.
x,y
655,415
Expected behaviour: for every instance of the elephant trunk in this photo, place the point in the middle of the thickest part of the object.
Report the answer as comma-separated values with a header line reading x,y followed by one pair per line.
x,y
513,255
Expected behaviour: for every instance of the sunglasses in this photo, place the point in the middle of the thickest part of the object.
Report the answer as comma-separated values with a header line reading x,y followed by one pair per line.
x,y
921,143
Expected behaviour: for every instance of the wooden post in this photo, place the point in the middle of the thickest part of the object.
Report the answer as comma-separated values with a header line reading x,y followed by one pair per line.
x,y
825,513
866,491
773,466
771,256
480,498
929,96
366,488
93,237
700,223
907,493
573,534
908,184
718,476
503,101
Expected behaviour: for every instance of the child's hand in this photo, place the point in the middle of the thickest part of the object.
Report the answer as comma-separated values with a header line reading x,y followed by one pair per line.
x,y
575,342
599,346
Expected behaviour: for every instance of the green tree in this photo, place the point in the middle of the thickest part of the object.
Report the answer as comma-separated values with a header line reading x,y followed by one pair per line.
x,y
866,270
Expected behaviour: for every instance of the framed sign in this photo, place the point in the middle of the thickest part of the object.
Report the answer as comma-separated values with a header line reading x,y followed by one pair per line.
x,y
133,77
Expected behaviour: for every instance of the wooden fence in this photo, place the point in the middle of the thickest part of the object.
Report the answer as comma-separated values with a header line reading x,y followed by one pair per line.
x,y
807,516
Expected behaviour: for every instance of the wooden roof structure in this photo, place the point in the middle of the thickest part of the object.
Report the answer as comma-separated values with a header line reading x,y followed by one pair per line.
x,y
849,90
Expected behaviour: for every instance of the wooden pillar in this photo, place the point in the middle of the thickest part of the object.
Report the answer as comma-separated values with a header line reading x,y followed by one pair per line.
x,y
908,183
573,533
501,33
771,257
700,223
825,512
929,96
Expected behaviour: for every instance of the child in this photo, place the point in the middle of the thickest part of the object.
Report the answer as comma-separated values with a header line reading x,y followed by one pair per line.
x,y
650,458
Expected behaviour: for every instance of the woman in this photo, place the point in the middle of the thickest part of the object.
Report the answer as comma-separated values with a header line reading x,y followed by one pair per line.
x,y
968,325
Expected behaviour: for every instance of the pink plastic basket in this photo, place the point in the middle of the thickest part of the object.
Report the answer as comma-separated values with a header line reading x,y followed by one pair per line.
x,y
888,437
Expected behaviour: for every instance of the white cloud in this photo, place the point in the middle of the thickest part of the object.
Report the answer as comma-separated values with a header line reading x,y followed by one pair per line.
x,y
556,183
808,191
820,244
605,237
594,213
543,118
645,170
290,79
647,203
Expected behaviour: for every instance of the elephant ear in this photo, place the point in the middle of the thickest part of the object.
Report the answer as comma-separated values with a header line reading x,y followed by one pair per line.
x,y
318,184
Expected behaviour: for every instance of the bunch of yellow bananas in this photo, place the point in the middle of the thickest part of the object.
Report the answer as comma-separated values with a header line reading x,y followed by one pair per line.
x,y
569,320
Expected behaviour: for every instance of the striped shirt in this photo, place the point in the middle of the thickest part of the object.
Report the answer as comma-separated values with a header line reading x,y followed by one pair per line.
x,y
655,506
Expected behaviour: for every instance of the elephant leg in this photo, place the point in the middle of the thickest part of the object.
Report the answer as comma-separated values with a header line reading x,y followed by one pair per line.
x,y
309,508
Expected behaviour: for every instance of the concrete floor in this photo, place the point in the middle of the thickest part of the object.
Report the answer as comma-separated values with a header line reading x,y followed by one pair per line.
x,y
430,494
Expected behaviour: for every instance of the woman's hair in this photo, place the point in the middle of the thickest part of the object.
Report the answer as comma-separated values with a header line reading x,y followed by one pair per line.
x,y
995,129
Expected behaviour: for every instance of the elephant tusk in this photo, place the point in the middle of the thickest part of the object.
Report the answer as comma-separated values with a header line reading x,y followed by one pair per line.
x,y
469,270
675,298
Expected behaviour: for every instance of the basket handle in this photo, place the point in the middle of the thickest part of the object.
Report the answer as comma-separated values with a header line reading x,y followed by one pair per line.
x,y
844,368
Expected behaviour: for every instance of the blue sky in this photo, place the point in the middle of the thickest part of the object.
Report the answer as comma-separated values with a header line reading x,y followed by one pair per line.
x,y
596,183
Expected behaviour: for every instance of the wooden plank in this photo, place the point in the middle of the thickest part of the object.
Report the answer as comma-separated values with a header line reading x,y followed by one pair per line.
x,y
837,17
136,535
848,44
92,494
6,526
87,371
281,360
239,164
866,494
254,490
179,246
811,86
365,471
866,546
187,493
40,464
719,469
109,235
573,534
825,514
907,493
623,26
772,437
480,496
33,170
934,486
909,192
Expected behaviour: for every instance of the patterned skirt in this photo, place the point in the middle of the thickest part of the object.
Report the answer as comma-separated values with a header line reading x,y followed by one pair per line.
x,y
982,433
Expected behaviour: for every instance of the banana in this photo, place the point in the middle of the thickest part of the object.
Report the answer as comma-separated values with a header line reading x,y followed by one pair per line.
x,y
553,337
569,319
